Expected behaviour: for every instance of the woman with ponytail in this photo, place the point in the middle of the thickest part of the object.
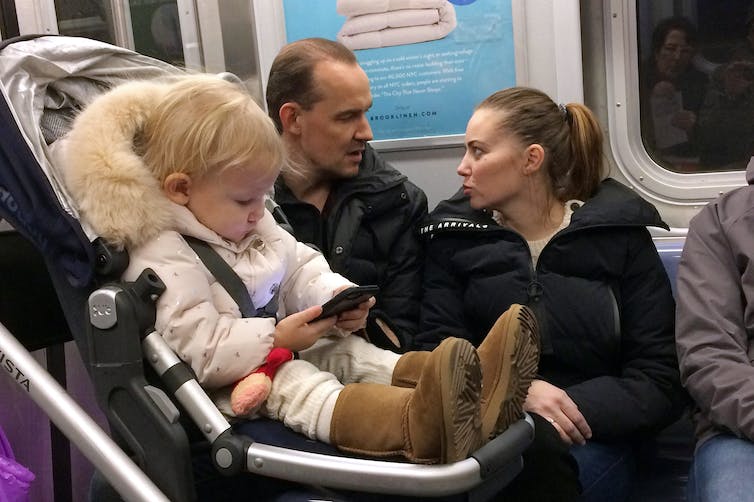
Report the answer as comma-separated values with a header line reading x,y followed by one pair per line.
x,y
536,224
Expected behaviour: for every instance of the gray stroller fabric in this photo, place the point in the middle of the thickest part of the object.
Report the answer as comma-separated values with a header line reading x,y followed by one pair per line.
x,y
48,79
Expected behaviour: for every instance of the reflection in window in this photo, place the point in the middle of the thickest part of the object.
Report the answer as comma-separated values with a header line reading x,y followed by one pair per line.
x,y
157,30
84,18
697,83
155,25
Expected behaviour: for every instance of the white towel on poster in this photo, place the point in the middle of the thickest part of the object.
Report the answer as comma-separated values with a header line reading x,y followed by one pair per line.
x,y
350,8
386,23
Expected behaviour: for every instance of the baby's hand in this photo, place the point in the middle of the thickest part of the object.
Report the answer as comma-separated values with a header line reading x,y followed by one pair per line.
x,y
296,332
354,319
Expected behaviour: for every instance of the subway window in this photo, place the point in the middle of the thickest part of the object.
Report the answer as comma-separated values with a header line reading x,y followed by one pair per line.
x,y
696,83
211,35
81,18
680,97
154,25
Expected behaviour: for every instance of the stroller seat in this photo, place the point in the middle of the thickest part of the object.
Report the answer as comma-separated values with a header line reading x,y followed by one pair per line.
x,y
44,81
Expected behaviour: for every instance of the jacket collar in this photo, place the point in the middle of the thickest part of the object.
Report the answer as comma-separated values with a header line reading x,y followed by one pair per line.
x,y
374,177
617,205
613,204
185,223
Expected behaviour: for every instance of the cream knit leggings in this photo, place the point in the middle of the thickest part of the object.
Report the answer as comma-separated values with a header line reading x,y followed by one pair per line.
x,y
304,390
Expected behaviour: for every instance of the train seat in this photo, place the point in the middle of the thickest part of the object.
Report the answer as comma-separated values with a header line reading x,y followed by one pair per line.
x,y
664,467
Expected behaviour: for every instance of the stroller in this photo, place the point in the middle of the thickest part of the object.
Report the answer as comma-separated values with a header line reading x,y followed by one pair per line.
x,y
165,429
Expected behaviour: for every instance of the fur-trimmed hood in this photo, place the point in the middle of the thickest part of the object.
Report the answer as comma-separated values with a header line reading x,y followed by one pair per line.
x,y
111,186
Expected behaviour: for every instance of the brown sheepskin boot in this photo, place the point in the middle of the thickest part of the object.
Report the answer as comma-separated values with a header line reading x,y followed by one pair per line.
x,y
409,368
509,355
436,422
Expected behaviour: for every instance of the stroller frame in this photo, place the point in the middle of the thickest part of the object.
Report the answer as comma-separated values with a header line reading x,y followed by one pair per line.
x,y
113,328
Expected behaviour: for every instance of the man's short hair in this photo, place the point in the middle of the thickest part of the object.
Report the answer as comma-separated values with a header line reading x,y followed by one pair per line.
x,y
292,73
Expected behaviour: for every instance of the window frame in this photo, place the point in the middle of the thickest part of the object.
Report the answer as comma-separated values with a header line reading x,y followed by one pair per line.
x,y
632,159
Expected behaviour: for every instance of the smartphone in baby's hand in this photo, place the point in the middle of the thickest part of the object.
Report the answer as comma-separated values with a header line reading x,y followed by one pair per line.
x,y
346,300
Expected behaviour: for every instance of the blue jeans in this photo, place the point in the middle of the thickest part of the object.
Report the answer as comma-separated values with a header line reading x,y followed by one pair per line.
x,y
722,470
606,470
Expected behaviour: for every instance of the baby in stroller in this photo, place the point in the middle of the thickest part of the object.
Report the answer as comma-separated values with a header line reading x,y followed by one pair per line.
x,y
152,165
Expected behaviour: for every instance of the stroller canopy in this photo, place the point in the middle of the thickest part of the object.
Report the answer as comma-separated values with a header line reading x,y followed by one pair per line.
x,y
44,82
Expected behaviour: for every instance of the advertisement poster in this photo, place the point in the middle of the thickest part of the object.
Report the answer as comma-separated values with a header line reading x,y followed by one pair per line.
x,y
429,62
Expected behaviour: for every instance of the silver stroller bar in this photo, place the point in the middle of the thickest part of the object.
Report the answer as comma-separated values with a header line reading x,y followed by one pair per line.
x,y
375,476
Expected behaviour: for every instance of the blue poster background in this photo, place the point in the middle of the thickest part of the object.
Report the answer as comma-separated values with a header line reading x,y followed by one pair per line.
x,y
428,88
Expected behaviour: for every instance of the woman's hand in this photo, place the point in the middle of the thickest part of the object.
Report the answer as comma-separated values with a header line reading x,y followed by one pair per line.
x,y
554,405
296,332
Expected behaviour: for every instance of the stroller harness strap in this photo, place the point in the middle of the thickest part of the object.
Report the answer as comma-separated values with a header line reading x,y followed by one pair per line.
x,y
230,280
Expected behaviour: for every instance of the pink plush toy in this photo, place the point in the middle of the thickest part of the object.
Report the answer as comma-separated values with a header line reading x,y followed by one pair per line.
x,y
251,391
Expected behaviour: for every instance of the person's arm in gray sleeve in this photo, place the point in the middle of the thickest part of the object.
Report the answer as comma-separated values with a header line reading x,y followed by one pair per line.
x,y
711,336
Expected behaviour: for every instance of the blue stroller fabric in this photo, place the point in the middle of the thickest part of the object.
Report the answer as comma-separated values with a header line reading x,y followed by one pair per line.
x,y
26,211
15,479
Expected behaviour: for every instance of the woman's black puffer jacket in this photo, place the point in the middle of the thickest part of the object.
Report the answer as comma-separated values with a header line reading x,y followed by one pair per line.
x,y
601,295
